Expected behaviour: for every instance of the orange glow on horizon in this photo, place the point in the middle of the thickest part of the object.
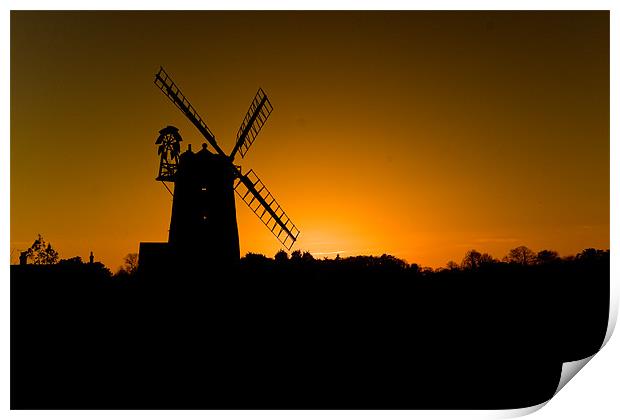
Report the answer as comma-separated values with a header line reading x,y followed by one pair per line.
x,y
420,135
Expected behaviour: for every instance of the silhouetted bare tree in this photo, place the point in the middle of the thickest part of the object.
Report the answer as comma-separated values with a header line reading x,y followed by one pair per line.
x,y
452,265
472,260
427,271
414,269
42,252
591,254
130,264
296,256
486,259
307,256
391,261
521,255
281,256
547,256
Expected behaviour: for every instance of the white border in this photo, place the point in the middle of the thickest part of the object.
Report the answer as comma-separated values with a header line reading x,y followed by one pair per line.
x,y
593,394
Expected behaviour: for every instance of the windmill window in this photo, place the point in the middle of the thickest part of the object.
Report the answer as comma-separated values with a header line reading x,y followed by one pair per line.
x,y
203,188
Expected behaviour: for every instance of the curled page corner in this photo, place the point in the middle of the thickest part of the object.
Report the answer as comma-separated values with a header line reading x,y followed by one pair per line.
x,y
613,312
569,370
520,412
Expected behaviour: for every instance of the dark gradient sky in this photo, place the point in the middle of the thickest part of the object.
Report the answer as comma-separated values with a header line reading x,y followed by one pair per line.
x,y
420,134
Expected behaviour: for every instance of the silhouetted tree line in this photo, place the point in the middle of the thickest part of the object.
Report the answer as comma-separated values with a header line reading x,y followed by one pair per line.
x,y
42,253
473,261
41,257
294,331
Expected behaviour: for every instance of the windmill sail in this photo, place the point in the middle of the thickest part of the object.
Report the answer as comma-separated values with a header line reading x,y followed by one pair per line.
x,y
249,187
255,118
258,198
172,91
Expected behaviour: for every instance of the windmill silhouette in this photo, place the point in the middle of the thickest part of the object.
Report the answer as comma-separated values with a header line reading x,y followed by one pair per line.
x,y
203,223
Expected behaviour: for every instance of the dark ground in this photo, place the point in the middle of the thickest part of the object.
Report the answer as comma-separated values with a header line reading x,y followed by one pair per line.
x,y
305,335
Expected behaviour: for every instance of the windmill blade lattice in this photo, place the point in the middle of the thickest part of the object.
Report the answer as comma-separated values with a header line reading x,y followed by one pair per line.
x,y
172,91
255,118
258,198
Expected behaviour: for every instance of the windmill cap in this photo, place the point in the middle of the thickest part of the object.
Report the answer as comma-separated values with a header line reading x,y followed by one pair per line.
x,y
169,129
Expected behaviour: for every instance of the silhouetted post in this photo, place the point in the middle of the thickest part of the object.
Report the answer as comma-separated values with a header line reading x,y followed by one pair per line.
x,y
91,258
23,258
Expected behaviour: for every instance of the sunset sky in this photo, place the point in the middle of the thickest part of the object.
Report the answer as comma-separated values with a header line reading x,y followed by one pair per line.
x,y
417,134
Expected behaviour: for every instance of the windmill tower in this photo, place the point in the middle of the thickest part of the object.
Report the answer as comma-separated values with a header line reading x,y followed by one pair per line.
x,y
203,223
